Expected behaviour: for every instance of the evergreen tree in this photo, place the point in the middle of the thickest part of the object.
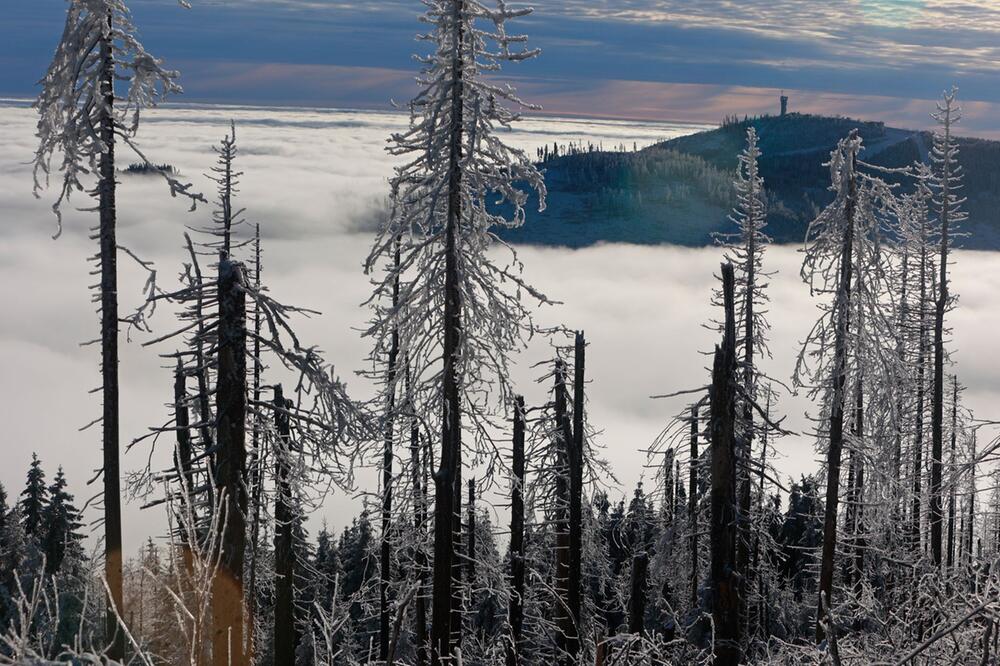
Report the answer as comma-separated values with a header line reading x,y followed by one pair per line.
x,y
61,522
34,499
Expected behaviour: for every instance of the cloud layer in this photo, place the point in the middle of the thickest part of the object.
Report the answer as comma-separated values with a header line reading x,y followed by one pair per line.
x,y
313,177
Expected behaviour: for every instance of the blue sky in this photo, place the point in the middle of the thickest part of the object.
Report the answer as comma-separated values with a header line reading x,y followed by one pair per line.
x,y
669,59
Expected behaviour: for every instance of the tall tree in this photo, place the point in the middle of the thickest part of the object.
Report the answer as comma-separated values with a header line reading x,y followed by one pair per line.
x,y
842,244
946,183
285,518
34,499
82,116
61,522
725,580
228,646
745,250
456,306
515,612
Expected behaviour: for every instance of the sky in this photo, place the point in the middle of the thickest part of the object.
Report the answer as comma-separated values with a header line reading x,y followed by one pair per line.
x,y
314,180
642,59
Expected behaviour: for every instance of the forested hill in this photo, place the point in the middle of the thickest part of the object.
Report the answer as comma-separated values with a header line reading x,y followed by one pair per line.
x,y
680,191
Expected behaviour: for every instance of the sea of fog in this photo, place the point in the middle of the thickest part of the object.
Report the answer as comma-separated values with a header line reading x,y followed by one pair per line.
x,y
313,180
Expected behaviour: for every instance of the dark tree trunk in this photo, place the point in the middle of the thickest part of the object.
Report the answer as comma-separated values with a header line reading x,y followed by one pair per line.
x,y
470,556
954,469
285,638
564,618
838,381
725,583
515,611
970,524
385,556
575,459
637,593
109,358
858,527
902,358
182,463
693,506
230,469
420,557
762,593
446,596
937,397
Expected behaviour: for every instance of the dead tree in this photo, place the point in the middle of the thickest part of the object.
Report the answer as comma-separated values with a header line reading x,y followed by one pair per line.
x,y
80,117
953,468
637,592
946,183
693,505
420,556
285,638
182,462
385,556
515,610
575,459
565,631
470,557
228,647
725,586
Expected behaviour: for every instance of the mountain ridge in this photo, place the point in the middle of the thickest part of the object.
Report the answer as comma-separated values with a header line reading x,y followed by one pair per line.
x,y
680,191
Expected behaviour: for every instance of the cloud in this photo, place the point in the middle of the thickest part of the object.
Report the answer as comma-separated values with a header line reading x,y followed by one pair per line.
x,y
629,58
310,175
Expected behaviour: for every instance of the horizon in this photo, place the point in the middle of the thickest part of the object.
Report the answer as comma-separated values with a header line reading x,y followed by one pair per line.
x,y
685,63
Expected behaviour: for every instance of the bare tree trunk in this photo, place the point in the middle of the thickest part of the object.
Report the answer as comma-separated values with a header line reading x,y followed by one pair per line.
x,y
231,395
838,381
257,457
575,459
637,593
515,611
746,431
725,583
470,562
385,556
182,463
563,617
937,397
109,357
954,471
858,528
446,596
693,505
970,524
763,601
419,524
285,638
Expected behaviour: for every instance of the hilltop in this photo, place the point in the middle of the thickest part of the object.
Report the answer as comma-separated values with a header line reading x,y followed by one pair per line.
x,y
680,192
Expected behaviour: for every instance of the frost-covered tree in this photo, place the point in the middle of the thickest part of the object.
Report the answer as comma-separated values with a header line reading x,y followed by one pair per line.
x,y
459,312
946,183
844,261
745,251
99,80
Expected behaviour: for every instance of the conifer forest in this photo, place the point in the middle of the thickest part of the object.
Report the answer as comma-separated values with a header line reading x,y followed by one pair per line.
x,y
485,525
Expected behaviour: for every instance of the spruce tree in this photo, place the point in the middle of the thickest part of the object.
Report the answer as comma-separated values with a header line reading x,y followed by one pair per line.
x,y
61,524
34,499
